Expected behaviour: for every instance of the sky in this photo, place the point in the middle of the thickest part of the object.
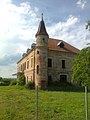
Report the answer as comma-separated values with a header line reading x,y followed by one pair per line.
x,y
19,20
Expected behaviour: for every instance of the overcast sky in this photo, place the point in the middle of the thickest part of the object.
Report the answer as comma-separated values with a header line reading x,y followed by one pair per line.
x,y
19,20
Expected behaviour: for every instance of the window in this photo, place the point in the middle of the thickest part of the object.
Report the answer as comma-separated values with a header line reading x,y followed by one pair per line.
x,y
63,63
49,62
37,52
31,78
27,64
31,62
37,69
60,44
21,67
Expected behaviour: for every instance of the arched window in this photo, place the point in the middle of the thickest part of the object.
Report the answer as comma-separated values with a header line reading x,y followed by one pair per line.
x,y
37,69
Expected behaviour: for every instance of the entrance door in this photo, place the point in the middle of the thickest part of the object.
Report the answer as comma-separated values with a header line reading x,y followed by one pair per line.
x,y
63,78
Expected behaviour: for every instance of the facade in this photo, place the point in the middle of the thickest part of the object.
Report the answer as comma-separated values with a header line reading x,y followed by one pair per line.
x,y
48,59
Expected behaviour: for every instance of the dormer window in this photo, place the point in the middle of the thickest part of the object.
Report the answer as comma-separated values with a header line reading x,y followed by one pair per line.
x,y
60,44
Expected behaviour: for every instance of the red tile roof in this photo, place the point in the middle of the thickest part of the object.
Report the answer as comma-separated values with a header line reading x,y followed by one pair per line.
x,y
52,45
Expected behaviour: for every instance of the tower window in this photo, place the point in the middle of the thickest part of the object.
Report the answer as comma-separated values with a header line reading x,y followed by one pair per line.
x,y
63,63
37,52
49,62
37,69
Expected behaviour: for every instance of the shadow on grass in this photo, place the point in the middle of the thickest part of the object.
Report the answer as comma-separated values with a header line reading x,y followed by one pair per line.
x,y
67,87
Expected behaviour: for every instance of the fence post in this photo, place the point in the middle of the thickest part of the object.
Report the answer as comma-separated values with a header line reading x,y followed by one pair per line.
x,y
86,102
36,102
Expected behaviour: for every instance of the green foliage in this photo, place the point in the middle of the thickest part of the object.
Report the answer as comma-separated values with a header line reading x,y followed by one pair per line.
x,y
0,78
4,82
29,85
81,67
21,79
13,82
88,25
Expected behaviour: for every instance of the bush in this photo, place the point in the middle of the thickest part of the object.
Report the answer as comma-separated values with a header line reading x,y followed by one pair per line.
x,y
4,83
0,78
21,79
13,82
29,85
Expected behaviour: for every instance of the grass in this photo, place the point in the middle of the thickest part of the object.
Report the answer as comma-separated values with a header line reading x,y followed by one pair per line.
x,y
18,103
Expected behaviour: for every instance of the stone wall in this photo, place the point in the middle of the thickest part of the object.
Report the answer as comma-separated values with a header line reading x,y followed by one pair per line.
x,y
39,56
56,70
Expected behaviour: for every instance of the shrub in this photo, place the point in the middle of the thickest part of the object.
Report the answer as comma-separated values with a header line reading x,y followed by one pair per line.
x,y
29,85
21,79
4,83
1,83
13,82
0,78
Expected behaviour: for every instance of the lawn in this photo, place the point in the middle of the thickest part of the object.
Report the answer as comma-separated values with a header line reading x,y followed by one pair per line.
x,y
18,103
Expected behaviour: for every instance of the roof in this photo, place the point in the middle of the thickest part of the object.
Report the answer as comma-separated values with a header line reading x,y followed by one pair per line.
x,y
41,28
53,45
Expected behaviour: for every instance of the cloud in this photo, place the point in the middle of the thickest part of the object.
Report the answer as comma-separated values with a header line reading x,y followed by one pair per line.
x,y
81,3
70,31
7,71
9,59
17,31
17,25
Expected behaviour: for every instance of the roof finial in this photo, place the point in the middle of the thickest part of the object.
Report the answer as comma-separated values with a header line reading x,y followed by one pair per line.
x,y
42,16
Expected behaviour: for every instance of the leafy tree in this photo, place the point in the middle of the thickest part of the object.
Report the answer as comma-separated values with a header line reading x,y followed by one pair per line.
x,y
81,67
0,78
88,25
21,79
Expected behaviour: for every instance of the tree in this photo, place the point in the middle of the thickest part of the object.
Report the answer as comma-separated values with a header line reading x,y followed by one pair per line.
x,y
21,79
81,67
88,25
0,78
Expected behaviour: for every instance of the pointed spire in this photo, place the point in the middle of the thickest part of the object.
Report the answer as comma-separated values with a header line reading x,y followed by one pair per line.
x,y
42,16
41,28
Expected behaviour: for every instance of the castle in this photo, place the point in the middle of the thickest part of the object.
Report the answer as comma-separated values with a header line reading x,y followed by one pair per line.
x,y
48,60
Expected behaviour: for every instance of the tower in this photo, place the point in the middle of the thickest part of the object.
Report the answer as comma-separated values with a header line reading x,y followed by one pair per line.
x,y
41,55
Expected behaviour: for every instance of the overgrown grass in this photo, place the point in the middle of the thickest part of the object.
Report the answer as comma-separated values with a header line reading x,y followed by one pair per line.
x,y
18,103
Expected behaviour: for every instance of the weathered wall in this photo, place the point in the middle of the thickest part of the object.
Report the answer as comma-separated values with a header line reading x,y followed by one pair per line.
x,y
39,56
57,69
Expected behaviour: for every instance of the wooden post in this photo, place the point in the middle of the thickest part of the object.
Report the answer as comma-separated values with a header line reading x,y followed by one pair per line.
x,y
86,102
36,102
